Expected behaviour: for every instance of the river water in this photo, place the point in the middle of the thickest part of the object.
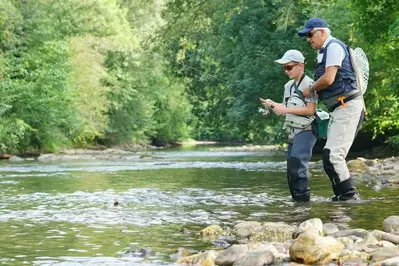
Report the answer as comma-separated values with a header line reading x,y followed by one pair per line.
x,y
96,212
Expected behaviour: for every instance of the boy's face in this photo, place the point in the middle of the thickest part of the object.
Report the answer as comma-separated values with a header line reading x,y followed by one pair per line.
x,y
292,69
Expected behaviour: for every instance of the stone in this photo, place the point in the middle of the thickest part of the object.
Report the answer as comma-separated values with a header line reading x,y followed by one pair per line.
x,y
206,258
311,248
316,224
211,230
246,229
255,258
15,158
355,232
388,262
230,255
391,224
330,228
273,232
357,165
384,253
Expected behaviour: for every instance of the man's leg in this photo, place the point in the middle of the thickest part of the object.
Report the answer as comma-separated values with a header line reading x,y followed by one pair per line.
x,y
344,124
297,165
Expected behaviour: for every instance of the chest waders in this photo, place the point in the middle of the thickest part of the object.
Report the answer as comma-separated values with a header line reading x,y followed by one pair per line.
x,y
338,94
300,148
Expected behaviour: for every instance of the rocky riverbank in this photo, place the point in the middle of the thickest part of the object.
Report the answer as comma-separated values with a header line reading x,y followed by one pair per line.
x,y
88,154
375,172
253,243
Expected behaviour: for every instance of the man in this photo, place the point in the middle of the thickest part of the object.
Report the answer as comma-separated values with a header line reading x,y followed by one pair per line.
x,y
298,113
337,89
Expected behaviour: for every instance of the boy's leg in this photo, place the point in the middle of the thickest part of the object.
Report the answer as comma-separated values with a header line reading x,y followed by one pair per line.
x,y
297,165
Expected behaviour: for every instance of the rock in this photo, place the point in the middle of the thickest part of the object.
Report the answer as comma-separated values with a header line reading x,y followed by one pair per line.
x,y
371,162
255,258
310,248
330,228
15,158
391,224
220,243
358,165
384,253
246,229
5,156
370,240
347,255
140,253
230,255
206,258
316,224
211,230
355,232
380,235
346,241
273,232
384,243
180,252
388,262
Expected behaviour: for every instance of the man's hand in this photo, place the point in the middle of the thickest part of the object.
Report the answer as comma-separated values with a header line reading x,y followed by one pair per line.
x,y
280,109
307,92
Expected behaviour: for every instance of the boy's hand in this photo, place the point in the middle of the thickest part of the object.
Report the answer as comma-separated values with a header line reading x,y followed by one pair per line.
x,y
267,102
280,109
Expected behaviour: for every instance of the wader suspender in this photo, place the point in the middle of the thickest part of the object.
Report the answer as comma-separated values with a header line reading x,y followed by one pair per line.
x,y
298,92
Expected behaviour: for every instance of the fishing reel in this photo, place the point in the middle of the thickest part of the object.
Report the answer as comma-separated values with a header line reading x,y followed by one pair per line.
x,y
263,111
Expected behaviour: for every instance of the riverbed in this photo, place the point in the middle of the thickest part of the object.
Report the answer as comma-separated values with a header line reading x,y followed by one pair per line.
x,y
100,212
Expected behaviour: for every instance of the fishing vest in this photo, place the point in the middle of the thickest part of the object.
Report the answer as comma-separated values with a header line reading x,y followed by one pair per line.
x,y
293,98
345,79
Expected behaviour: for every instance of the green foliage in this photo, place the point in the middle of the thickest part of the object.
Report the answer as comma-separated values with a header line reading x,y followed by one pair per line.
x,y
119,71
144,102
14,135
394,141
377,24
227,50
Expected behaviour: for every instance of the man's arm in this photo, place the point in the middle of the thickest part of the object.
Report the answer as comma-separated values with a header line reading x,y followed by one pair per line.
x,y
326,80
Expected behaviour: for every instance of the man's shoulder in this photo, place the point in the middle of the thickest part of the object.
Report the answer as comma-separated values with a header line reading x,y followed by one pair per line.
x,y
334,42
336,47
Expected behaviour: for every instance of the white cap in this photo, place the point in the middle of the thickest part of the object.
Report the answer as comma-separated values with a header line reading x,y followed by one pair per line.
x,y
291,56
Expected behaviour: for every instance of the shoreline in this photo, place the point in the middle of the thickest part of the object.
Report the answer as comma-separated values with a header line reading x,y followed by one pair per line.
x,y
251,243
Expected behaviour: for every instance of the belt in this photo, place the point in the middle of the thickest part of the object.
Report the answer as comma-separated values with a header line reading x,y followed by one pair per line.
x,y
342,100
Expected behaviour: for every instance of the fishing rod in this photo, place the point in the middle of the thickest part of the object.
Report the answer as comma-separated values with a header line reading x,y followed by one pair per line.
x,y
262,110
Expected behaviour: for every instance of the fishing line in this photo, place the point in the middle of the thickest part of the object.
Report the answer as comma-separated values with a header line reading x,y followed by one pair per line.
x,y
262,110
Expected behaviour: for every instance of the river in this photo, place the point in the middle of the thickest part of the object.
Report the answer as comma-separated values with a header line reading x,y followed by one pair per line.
x,y
95,212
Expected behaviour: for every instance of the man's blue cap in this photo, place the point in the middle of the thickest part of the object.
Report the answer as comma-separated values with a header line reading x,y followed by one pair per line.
x,y
311,24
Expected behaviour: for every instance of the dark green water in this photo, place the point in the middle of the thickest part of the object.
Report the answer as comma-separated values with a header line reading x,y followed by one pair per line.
x,y
64,214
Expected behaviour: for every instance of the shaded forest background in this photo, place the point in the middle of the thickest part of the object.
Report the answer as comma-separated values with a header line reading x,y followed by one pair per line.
x,y
76,73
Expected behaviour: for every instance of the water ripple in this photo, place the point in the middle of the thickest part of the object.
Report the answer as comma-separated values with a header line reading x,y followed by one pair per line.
x,y
139,207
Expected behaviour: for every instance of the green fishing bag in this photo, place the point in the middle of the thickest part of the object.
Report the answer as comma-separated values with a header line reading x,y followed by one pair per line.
x,y
321,123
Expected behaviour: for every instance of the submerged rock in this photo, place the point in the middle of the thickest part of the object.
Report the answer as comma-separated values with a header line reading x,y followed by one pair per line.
x,y
140,253
211,230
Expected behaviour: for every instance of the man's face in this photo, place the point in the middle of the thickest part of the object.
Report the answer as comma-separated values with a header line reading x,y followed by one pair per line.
x,y
316,38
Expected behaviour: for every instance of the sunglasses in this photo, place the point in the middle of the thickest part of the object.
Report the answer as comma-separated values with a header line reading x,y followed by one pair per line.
x,y
311,33
289,67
